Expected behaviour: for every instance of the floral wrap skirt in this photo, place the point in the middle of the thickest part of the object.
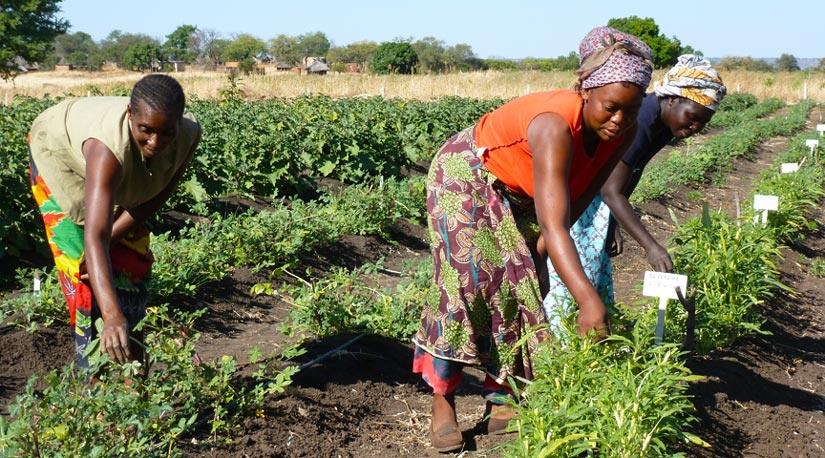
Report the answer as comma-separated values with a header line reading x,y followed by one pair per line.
x,y
485,307
131,266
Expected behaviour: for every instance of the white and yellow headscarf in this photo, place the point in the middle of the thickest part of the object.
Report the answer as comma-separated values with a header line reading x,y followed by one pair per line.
x,y
695,79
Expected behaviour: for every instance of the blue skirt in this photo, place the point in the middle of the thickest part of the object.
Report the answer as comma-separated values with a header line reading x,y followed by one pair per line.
x,y
589,234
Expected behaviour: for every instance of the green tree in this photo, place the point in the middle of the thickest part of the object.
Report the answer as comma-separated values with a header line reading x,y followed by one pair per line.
x,y
743,63
218,47
461,58
665,50
312,45
205,44
285,49
687,49
361,51
787,63
500,64
113,48
142,55
336,54
243,50
27,30
243,47
431,54
569,62
75,49
178,44
394,57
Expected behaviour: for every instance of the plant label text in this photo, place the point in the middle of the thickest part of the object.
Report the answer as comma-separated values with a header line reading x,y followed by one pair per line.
x,y
663,285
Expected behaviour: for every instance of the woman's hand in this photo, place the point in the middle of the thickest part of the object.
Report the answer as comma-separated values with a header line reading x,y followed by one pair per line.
x,y
594,317
114,340
659,258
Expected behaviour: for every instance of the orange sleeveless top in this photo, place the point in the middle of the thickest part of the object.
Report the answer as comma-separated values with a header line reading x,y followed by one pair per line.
x,y
503,132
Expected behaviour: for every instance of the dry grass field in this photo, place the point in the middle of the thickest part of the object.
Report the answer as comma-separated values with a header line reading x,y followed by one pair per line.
x,y
790,87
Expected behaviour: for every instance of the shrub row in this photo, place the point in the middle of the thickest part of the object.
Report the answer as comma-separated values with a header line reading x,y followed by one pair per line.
x,y
272,148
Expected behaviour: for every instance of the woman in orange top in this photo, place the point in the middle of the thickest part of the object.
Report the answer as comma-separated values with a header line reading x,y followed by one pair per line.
x,y
539,158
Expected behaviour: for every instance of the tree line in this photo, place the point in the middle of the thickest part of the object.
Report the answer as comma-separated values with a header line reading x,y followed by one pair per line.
x,y
35,33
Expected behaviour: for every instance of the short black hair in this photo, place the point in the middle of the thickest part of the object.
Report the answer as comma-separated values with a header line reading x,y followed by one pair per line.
x,y
159,92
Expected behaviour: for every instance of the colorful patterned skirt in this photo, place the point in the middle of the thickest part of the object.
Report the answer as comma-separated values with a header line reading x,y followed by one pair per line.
x,y
485,296
131,266
589,234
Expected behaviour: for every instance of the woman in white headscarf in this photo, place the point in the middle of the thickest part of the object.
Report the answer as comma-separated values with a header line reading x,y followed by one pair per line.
x,y
682,102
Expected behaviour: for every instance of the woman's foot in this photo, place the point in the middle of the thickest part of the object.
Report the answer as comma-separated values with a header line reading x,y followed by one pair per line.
x,y
445,435
499,417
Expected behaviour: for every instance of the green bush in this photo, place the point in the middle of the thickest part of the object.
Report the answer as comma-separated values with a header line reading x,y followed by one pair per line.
x,y
622,397
737,101
21,227
732,266
63,415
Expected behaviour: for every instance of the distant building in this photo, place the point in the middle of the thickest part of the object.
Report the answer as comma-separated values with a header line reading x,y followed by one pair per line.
x,y
174,65
23,66
264,57
316,66
63,65
231,67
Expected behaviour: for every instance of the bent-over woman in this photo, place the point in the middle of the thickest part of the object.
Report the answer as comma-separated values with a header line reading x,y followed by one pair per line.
x,y
680,105
100,167
540,159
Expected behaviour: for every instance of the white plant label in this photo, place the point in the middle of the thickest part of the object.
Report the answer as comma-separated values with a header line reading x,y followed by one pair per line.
x,y
36,286
790,167
813,144
763,202
820,128
663,285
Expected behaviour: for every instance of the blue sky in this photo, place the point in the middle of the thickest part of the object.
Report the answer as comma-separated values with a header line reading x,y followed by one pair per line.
x,y
511,29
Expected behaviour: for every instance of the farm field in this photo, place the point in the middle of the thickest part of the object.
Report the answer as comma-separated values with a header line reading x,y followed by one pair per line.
x,y
787,86
355,396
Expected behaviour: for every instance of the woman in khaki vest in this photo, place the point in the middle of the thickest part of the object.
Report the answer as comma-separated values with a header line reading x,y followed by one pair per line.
x,y
100,167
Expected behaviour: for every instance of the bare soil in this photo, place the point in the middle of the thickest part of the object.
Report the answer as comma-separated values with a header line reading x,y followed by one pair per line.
x,y
761,398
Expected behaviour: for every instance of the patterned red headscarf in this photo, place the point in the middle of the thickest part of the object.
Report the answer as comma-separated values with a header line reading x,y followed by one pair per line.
x,y
610,56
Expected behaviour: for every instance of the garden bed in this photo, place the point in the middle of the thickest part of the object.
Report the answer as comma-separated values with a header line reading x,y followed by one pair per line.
x,y
763,397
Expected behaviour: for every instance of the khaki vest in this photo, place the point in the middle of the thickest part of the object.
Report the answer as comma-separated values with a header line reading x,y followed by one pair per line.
x,y
57,137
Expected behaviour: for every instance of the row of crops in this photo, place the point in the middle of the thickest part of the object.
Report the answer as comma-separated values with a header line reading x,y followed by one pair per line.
x,y
263,148
622,397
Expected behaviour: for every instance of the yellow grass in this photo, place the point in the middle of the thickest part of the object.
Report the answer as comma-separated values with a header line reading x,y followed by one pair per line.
x,y
789,87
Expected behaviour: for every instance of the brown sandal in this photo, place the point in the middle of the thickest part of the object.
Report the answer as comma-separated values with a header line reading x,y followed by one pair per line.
x,y
498,425
447,439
